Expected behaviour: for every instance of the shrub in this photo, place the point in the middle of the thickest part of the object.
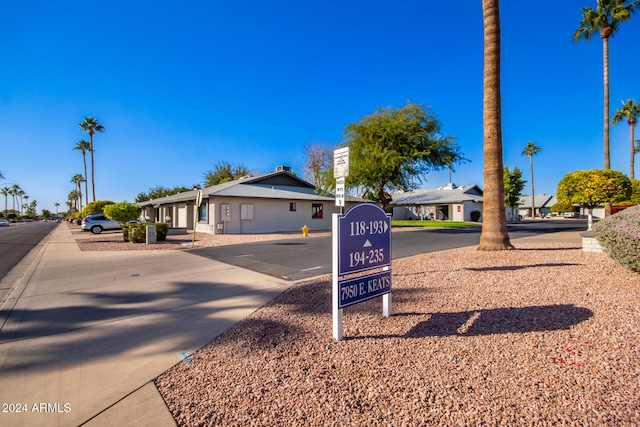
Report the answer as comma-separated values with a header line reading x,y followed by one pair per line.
x,y
475,216
619,236
137,233
96,207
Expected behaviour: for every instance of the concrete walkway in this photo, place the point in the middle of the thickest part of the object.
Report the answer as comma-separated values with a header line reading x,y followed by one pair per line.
x,y
83,334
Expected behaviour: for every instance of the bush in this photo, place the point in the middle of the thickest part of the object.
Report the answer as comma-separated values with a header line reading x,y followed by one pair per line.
x,y
475,216
619,236
137,233
96,207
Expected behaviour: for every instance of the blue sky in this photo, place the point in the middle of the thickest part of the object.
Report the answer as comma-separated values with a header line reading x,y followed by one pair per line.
x,y
180,86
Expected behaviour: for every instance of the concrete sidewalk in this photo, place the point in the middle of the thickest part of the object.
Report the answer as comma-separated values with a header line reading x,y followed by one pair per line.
x,y
85,333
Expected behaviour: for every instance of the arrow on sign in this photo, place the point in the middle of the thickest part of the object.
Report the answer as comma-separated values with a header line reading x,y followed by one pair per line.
x,y
367,244
386,227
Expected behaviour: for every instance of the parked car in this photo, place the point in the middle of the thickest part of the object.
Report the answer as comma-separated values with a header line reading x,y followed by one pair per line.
x,y
98,223
4,223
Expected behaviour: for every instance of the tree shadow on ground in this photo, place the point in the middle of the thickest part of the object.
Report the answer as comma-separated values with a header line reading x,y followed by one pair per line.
x,y
521,267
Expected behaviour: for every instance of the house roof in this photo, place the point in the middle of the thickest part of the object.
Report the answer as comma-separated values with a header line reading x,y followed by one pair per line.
x,y
274,185
540,200
438,195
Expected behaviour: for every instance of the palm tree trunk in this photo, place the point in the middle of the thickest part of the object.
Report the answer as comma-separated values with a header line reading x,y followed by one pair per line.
x,y
607,156
633,149
86,178
533,192
93,171
494,225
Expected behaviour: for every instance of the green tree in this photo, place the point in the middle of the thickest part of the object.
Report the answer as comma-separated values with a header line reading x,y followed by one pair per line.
x,y
224,172
73,197
96,207
634,199
513,186
562,207
531,150
122,212
494,236
84,146
78,179
6,191
591,188
160,191
605,20
391,147
92,126
629,111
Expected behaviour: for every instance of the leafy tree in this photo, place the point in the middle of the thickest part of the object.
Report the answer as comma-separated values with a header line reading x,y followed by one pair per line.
x,y
390,147
46,213
605,20
122,212
629,111
634,199
494,236
160,191
531,150
591,188
96,207
84,146
513,186
92,126
224,172
561,207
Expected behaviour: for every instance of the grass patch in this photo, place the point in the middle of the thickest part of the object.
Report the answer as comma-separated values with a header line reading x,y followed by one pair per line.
x,y
433,224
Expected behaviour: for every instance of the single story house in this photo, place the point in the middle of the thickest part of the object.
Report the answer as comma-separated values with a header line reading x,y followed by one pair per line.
x,y
446,203
542,205
273,202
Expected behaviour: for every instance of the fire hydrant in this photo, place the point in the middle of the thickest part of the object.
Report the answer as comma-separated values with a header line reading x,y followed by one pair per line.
x,y
305,231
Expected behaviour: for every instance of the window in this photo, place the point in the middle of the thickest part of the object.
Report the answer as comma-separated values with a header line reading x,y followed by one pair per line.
x,y
202,210
316,210
292,207
246,211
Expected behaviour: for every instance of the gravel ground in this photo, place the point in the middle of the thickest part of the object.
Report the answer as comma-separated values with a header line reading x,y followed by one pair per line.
x,y
543,335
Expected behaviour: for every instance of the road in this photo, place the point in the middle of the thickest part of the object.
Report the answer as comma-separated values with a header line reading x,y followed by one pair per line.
x,y
295,259
18,239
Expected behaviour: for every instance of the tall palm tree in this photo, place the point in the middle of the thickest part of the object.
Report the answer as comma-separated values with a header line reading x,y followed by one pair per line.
x,y
84,146
26,202
631,112
531,150
14,193
5,192
91,126
77,179
20,193
57,205
605,20
494,235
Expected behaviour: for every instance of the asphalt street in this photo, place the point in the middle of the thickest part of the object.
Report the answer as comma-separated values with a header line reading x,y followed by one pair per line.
x,y
18,239
296,259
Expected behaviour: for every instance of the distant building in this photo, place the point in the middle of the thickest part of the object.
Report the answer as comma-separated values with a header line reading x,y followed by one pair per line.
x,y
273,202
542,204
446,203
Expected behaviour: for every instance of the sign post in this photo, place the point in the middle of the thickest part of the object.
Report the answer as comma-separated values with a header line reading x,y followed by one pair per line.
x,y
362,248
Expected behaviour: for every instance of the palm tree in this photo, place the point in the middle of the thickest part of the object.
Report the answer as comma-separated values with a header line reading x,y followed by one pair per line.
x,y
14,193
20,193
83,146
26,203
73,197
605,20
494,235
91,126
57,205
531,150
1,176
5,192
631,112
77,179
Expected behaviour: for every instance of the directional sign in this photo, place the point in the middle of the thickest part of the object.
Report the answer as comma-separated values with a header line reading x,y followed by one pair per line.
x,y
340,192
341,162
364,239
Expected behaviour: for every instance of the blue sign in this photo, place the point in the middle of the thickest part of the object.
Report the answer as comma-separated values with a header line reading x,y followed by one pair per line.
x,y
363,288
364,239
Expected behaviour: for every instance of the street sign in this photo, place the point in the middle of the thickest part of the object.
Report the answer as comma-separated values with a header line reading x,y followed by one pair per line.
x,y
363,288
340,192
341,162
364,239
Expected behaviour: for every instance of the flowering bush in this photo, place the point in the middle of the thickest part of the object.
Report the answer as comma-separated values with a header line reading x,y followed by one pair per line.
x,y
619,236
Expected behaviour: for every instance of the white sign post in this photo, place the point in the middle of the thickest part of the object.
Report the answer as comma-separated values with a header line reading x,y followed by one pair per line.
x,y
340,192
341,162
